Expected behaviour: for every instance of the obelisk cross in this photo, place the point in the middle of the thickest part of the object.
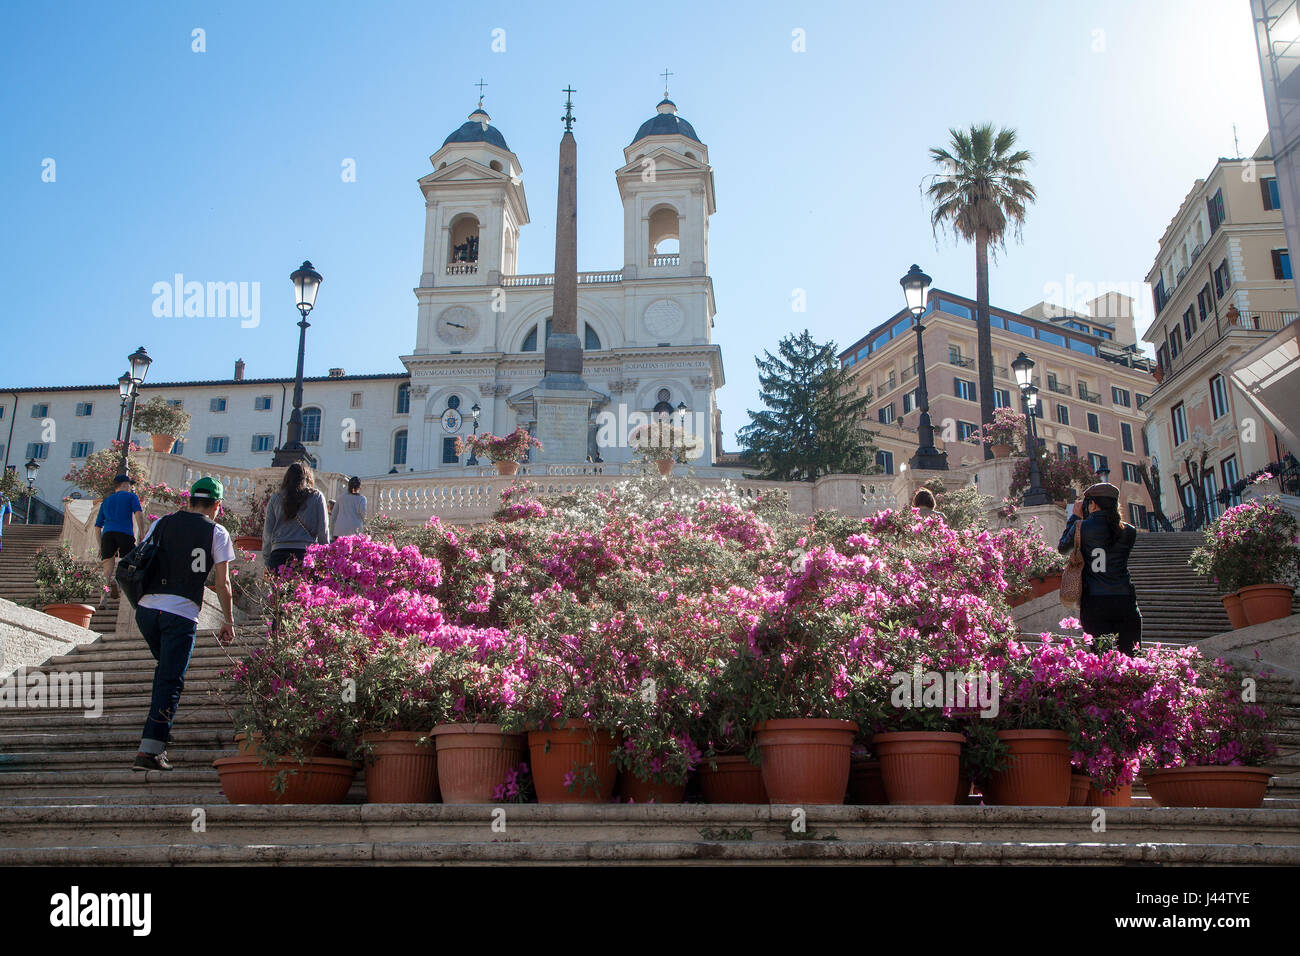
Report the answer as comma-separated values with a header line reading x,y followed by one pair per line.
x,y
665,74
480,84
568,116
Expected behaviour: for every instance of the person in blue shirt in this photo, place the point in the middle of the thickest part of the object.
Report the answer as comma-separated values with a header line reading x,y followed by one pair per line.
x,y
120,515
6,515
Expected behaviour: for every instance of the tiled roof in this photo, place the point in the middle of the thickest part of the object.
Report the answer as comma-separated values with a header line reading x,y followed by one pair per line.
x,y
307,379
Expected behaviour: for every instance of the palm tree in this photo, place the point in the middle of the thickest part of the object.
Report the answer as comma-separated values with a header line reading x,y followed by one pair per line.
x,y
981,192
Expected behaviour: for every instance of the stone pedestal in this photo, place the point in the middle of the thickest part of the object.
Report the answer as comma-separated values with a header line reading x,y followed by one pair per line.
x,y
1050,519
562,415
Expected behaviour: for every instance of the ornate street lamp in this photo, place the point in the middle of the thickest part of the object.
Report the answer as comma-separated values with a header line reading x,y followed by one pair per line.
x,y
1023,369
139,361
306,283
33,466
1104,474
124,389
915,284
474,412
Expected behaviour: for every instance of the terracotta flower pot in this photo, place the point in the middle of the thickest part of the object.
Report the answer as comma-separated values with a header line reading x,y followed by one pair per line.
x,y
1207,786
632,789
1262,603
506,467
805,760
1080,785
1236,615
248,542
163,443
473,760
1001,451
78,614
1020,597
665,466
919,768
1038,770
865,784
578,751
400,769
317,780
736,780
1123,797
1046,585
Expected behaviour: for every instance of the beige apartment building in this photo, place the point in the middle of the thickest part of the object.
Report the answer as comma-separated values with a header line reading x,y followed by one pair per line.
x,y
1093,383
1222,283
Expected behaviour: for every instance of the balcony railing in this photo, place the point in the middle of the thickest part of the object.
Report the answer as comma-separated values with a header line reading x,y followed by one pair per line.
x,y
908,373
462,268
1087,396
672,259
1060,389
1246,323
544,279
961,362
1001,371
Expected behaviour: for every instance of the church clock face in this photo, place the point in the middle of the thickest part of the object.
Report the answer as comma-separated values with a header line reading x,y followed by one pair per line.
x,y
457,325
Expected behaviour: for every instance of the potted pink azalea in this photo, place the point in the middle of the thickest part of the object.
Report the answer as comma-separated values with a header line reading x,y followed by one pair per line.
x,y
506,452
664,444
1250,551
1003,434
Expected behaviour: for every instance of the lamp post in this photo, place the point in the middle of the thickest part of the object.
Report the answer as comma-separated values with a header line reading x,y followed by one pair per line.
x,y
124,389
1104,474
306,283
474,412
927,457
139,361
1023,367
33,466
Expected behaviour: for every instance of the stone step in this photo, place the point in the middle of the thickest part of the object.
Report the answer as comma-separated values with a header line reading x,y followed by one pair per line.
x,y
116,835
55,720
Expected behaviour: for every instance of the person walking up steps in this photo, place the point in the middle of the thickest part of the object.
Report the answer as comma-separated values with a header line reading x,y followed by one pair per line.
x,y
191,544
350,515
1109,602
295,518
120,517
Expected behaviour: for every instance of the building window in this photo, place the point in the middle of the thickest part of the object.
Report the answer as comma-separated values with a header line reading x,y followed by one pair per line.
x,y
1268,188
310,425
85,409
964,430
1146,445
399,447
449,456
82,449
1179,418
2,412
1175,343
176,402
262,443
262,403
1142,399
909,401
1126,435
886,414
1281,264
1137,515
353,442
1204,303
1230,478
404,399
217,444
530,341
1001,398
1062,414
178,446
1120,396
40,450
356,400
1158,294
964,389
217,405
591,341
1214,205
1094,423
1131,473
1222,279
885,459
40,410
1064,451
1189,323
1218,397
1097,462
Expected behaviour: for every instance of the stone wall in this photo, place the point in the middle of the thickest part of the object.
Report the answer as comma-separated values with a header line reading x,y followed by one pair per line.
x,y
29,637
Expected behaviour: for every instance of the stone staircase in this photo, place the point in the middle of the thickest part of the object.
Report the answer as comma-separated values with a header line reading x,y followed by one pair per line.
x,y
68,797
18,575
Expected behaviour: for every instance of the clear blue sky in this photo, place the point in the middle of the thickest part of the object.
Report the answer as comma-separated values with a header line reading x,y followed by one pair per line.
x,y
225,165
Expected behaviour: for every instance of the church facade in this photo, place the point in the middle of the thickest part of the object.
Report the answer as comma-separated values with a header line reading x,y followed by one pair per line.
x,y
645,324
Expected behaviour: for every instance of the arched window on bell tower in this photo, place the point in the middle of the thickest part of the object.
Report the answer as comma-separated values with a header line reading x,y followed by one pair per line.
x,y
664,407
464,235
665,236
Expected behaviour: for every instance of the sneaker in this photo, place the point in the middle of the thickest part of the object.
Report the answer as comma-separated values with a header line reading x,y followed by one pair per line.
x,y
148,762
113,591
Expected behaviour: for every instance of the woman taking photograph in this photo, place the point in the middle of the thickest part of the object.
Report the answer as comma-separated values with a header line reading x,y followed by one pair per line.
x,y
350,513
1109,602
295,518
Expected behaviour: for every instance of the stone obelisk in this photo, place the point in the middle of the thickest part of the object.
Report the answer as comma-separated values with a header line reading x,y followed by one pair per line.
x,y
563,399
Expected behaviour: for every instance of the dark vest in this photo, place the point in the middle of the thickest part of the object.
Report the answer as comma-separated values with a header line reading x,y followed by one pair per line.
x,y
182,537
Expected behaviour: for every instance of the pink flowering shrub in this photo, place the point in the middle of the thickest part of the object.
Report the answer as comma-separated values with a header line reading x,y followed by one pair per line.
x,y
1251,543
510,447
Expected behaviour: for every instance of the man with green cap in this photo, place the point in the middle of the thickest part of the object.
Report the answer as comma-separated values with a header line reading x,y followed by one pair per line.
x,y
191,544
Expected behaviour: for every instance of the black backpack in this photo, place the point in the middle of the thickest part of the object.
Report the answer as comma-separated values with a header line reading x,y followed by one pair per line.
x,y
135,570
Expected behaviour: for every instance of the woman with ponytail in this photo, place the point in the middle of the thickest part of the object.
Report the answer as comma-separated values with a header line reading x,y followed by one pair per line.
x,y
295,518
1109,601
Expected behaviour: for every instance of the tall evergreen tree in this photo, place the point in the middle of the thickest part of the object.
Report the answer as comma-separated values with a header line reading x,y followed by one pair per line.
x,y
812,425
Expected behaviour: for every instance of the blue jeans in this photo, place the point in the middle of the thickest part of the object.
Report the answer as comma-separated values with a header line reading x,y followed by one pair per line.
x,y
282,556
171,641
